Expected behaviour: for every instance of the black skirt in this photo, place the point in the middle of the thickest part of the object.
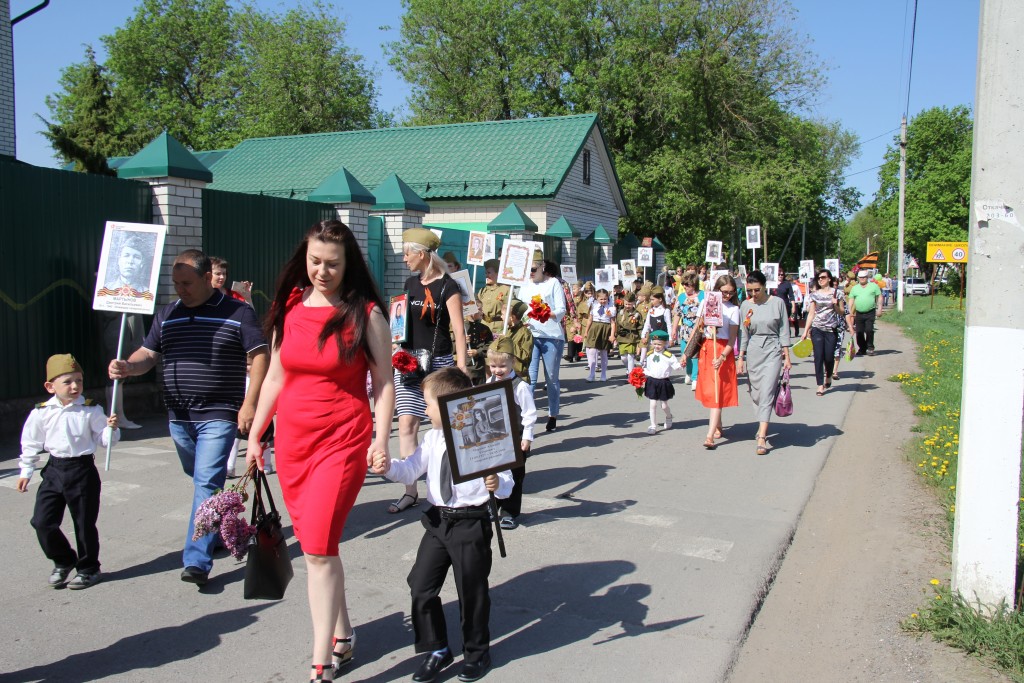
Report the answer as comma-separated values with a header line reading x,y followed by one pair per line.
x,y
659,389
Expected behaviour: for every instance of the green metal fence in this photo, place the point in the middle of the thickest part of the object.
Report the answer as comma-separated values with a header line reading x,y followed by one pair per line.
x,y
51,227
588,258
552,247
256,235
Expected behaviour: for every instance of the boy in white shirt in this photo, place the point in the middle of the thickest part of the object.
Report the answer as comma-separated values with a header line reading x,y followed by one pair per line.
x,y
70,428
457,533
500,358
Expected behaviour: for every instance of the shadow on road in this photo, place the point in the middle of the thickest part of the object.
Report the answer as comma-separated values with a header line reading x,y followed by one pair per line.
x,y
157,565
143,651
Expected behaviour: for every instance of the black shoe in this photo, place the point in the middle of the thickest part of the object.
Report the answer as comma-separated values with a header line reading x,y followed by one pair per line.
x,y
871,352
474,671
432,666
59,577
83,580
551,425
195,575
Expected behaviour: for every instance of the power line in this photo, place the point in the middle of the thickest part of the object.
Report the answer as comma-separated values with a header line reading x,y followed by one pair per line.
x,y
910,69
863,171
892,130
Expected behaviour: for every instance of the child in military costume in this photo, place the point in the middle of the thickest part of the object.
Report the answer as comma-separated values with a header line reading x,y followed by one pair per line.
x,y
628,323
522,340
493,298
478,338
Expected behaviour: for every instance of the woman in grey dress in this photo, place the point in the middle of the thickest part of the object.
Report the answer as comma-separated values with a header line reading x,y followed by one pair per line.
x,y
764,349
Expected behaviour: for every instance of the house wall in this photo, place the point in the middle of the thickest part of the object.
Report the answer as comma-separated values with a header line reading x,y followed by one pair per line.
x,y
7,134
587,206
472,211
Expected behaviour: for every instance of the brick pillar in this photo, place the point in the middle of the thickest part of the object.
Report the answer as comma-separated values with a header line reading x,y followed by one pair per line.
x,y
7,130
178,204
395,223
354,215
570,251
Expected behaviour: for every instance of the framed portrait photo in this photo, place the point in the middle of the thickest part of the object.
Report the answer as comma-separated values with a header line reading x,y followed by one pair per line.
x,y
832,264
129,269
604,278
771,274
568,273
645,257
476,249
713,253
627,268
490,247
465,283
396,315
806,272
713,309
516,259
753,237
480,431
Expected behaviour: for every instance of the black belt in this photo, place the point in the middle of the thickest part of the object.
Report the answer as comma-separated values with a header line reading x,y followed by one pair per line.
x,y
469,512
56,460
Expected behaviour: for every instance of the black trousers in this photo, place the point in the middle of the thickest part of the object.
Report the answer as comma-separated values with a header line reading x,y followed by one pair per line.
x,y
574,349
824,342
72,483
864,326
465,546
513,505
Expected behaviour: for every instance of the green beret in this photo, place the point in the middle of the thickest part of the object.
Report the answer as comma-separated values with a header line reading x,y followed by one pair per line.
x,y
492,263
502,345
61,364
519,308
659,334
423,237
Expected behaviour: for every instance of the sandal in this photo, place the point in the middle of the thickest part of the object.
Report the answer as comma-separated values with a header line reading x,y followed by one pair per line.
x,y
400,505
762,445
321,672
345,656
718,433
709,444
820,391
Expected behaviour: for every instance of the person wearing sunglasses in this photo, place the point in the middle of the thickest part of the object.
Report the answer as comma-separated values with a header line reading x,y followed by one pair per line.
x,y
717,387
764,350
548,336
826,316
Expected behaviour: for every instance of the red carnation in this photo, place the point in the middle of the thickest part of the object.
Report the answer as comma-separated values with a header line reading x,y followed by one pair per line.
x,y
404,362
539,310
637,380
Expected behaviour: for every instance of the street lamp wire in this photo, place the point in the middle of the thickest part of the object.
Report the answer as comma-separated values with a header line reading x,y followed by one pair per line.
x,y
910,68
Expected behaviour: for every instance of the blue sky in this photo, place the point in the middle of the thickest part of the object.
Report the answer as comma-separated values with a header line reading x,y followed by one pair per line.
x,y
863,46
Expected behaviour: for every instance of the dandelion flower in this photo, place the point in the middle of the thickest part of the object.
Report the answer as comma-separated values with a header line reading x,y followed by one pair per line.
x,y
934,582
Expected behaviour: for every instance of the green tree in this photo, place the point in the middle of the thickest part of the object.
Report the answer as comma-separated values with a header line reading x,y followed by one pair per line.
x,y
697,100
213,75
938,180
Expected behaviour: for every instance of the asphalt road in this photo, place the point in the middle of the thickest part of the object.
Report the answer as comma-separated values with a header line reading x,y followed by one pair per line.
x,y
639,557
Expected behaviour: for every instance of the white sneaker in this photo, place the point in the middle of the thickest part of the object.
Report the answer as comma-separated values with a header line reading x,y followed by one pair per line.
x,y
693,387
652,430
686,379
125,423
668,423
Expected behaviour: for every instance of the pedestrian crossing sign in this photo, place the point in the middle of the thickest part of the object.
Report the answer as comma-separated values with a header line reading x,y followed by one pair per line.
x,y
947,252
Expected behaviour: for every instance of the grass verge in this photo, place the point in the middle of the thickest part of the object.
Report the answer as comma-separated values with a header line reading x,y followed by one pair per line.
x,y
935,392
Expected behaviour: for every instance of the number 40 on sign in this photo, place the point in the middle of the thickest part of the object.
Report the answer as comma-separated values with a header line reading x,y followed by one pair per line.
x,y
947,252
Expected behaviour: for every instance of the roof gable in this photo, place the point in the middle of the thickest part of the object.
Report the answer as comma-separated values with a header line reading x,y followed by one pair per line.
x,y
511,159
512,219
395,194
341,187
164,157
563,228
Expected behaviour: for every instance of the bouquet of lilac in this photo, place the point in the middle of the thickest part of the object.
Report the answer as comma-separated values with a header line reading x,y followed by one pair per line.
x,y
220,513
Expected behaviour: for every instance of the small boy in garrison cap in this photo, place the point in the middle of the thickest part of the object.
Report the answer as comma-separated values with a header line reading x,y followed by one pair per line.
x,y
522,339
70,428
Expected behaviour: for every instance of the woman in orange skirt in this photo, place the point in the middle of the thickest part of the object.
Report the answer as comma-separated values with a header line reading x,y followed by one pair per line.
x,y
716,386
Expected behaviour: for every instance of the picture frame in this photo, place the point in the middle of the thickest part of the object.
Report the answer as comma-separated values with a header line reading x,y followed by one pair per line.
x,y
490,247
516,259
604,278
396,317
712,309
713,253
832,265
569,273
465,283
645,257
477,249
806,272
129,268
742,273
771,274
627,270
717,273
753,236
480,431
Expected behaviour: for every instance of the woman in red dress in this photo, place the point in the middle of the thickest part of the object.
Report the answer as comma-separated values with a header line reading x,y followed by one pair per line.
x,y
328,326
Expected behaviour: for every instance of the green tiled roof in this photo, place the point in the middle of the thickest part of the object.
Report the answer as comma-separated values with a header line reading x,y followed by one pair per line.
x,y
395,194
164,156
658,246
472,226
563,228
601,235
341,187
494,159
630,240
207,159
512,219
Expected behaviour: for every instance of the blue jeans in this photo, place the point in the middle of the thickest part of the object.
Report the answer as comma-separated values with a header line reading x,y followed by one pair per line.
x,y
203,449
550,351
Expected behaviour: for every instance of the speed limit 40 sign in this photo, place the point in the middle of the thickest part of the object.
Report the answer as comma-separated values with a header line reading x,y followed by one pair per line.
x,y
947,252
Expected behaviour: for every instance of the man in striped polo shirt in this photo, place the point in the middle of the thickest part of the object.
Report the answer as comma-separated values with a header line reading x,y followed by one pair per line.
x,y
203,340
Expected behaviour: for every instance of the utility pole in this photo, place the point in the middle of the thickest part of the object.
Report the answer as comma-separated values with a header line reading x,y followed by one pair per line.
x,y
803,237
988,469
903,199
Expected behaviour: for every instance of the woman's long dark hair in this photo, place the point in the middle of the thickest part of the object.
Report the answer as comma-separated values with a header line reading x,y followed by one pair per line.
x,y
356,291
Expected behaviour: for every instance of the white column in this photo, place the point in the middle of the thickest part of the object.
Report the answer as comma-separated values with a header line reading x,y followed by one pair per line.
x,y
178,204
570,251
988,469
354,216
395,223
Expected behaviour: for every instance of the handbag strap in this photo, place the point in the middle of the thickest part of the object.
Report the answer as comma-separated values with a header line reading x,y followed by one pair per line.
x,y
259,509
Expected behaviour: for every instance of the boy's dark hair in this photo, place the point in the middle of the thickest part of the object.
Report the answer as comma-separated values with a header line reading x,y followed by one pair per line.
x,y
691,280
446,381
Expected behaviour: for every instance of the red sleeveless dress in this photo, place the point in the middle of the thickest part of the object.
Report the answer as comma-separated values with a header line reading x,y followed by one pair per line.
x,y
324,427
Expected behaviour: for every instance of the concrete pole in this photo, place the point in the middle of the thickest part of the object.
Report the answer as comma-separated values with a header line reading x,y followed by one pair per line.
x,y
900,256
988,471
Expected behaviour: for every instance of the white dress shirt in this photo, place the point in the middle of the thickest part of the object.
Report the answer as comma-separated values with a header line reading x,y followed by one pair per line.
x,y
660,365
427,460
550,291
64,431
524,399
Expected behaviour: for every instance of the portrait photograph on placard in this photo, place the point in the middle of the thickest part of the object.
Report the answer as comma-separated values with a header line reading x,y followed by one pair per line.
x,y
742,274
753,237
712,309
465,283
516,259
603,278
490,248
645,257
832,265
480,432
129,268
714,252
771,274
568,273
717,273
806,272
396,314
477,248
627,268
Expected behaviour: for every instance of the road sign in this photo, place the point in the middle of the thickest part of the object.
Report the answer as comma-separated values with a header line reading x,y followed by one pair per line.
x,y
946,252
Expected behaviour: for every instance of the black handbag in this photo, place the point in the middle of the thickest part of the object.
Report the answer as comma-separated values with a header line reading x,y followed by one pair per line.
x,y
268,568
424,357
